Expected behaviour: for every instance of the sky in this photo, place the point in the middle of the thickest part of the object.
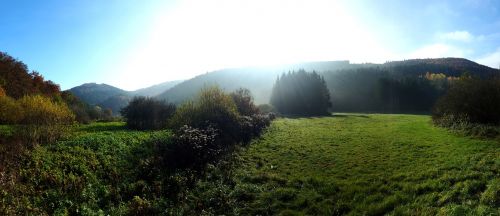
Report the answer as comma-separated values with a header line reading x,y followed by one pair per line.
x,y
133,44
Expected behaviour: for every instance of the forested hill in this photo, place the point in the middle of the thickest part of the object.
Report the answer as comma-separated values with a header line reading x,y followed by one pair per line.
x,y
108,96
448,66
354,87
259,80
16,80
94,93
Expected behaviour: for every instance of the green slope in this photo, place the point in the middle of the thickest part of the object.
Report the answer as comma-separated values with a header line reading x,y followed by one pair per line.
x,y
358,164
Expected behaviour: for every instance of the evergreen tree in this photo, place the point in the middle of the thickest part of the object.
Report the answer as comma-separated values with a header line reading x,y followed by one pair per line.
x,y
301,93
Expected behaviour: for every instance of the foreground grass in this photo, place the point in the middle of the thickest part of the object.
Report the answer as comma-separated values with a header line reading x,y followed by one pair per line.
x,y
99,171
345,164
356,164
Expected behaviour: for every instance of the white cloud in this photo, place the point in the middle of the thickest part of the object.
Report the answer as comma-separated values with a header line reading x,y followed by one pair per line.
x,y
438,50
491,59
462,36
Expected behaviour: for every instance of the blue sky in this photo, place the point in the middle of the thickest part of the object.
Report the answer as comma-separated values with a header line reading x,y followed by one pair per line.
x,y
132,44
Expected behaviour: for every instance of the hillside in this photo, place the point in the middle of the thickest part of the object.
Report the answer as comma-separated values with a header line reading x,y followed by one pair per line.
x,y
94,93
259,80
354,87
156,89
16,80
448,66
108,96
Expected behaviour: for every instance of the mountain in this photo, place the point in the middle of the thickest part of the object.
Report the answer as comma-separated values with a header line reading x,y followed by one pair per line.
x,y
448,66
260,80
93,93
350,84
156,89
107,96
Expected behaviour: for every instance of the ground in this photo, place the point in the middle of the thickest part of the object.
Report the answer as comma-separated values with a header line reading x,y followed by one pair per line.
x,y
357,164
361,164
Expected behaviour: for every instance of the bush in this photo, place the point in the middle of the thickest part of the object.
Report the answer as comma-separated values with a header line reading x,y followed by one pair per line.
x,y
193,148
212,107
252,126
244,102
144,113
10,112
44,121
37,119
469,101
211,126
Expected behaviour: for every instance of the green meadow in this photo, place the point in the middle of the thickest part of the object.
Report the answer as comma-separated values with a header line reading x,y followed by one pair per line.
x,y
354,164
357,164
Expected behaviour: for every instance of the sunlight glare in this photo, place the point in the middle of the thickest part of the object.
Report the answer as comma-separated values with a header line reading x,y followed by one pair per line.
x,y
201,36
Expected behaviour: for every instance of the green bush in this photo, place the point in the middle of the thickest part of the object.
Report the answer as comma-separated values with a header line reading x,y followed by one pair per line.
x,y
210,126
469,101
212,107
143,113
193,148
244,102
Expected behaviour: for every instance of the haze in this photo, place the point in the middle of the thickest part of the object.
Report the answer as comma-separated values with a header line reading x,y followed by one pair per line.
x,y
131,44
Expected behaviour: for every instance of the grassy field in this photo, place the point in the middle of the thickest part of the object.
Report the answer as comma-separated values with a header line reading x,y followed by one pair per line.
x,y
356,164
345,164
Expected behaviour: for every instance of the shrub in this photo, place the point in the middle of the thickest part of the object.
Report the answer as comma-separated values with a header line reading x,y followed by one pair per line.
x,y
193,148
212,107
144,113
211,126
469,101
244,102
37,119
10,112
252,126
44,121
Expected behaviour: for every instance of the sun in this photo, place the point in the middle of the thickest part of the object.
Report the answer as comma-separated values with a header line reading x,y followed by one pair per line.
x,y
200,36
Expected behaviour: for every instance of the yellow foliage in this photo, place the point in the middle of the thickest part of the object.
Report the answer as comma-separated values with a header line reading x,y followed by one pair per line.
x,y
2,92
435,76
10,112
38,119
39,110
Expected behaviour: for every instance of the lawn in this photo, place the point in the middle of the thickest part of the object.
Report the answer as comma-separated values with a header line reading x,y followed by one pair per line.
x,y
356,164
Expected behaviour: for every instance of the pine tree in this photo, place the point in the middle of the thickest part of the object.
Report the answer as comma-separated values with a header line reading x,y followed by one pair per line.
x,y
301,93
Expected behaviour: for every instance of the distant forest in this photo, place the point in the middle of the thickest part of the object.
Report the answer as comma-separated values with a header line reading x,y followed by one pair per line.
x,y
409,86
